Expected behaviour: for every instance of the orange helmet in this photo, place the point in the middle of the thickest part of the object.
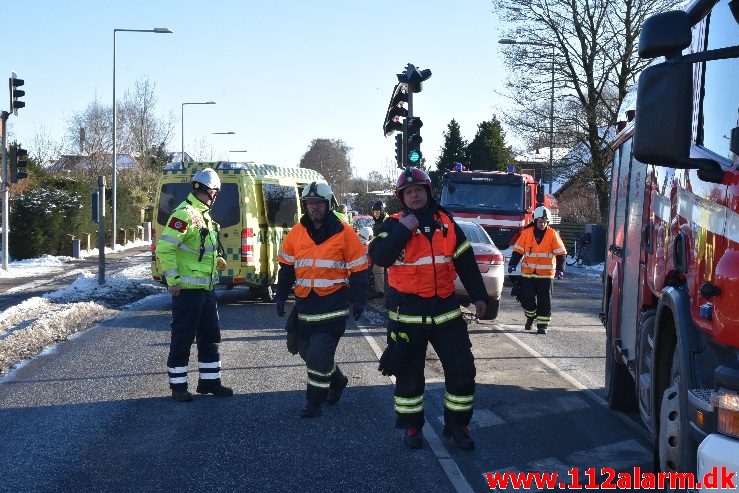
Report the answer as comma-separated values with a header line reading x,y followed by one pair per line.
x,y
412,176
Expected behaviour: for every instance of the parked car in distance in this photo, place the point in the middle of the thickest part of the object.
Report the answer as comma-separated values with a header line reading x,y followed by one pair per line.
x,y
492,267
361,221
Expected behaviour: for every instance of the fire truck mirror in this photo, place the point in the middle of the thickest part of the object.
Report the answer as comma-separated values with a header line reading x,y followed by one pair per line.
x,y
734,142
665,34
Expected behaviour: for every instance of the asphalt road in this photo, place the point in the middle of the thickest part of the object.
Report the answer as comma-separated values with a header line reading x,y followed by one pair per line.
x,y
95,413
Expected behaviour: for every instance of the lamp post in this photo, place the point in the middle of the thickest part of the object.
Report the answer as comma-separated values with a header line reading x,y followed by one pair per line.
x,y
182,130
229,154
218,133
507,41
158,30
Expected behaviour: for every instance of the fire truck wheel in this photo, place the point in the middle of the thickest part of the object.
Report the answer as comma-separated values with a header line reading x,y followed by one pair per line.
x,y
620,388
671,433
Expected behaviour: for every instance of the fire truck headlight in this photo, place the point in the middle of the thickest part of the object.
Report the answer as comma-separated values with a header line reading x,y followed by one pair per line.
x,y
727,406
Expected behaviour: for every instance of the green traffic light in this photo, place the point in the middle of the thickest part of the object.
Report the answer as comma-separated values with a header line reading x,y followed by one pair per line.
x,y
414,156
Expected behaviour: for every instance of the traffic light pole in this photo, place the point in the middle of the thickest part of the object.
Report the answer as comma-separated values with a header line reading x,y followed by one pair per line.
x,y
5,190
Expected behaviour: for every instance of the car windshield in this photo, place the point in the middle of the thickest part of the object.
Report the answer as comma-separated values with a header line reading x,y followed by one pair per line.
x,y
362,222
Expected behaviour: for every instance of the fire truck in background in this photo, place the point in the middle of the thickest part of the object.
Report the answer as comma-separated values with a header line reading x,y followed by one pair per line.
x,y
672,272
502,203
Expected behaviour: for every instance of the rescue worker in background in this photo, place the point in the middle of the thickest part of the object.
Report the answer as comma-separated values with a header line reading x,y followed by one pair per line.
x,y
378,212
343,214
424,250
325,260
189,254
543,256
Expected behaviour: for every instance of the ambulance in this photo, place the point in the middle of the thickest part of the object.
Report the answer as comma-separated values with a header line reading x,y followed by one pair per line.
x,y
257,206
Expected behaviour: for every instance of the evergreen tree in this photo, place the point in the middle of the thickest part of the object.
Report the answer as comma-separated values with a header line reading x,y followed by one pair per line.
x,y
453,150
488,150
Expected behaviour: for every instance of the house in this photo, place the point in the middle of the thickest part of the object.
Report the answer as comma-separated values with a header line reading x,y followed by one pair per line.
x,y
95,161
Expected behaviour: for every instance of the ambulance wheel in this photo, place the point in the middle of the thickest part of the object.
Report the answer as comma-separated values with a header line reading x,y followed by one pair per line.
x,y
620,387
268,294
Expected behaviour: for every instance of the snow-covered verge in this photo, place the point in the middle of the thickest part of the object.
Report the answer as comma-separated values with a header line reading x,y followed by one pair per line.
x,y
38,323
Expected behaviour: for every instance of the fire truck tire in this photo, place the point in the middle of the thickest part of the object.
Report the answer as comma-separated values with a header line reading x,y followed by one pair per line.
x,y
673,426
620,388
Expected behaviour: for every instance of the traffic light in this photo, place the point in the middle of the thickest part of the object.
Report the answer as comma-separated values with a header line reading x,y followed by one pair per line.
x,y
414,77
17,163
414,141
14,82
399,150
396,110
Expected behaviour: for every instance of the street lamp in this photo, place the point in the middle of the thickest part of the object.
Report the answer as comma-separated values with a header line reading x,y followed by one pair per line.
x,y
182,130
218,133
508,41
158,30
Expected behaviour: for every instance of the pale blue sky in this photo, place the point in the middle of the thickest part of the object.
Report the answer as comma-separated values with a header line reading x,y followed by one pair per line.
x,y
281,72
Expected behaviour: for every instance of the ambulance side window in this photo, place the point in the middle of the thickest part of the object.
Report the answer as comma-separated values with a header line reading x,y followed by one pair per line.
x,y
226,208
172,195
282,205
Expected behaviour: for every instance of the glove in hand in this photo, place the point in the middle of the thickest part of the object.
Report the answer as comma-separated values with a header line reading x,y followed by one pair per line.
x,y
280,307
387,355
560,274
511,269
292,342
358,310
401,353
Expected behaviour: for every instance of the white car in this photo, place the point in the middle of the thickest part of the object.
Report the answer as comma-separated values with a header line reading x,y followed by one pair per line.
x,y
492,267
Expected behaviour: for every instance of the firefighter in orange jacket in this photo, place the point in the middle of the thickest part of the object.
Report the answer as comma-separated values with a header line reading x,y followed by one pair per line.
x,y
325,260
543,255
424,250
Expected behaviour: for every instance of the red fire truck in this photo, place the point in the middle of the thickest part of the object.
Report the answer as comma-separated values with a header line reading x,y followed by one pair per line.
x,y
672,271
502,203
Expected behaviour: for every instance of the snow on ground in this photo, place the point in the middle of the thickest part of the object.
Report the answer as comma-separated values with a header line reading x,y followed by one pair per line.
x,y
38,323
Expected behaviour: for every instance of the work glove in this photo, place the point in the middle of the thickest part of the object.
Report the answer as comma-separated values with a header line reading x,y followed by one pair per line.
x,y
358,310
291,326
401,353
560,274
387,355
511,269
280,307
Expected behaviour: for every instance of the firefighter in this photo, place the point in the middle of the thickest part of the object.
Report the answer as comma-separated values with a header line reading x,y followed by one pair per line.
x,y
325,260
424,250
543,255
189,254
378,212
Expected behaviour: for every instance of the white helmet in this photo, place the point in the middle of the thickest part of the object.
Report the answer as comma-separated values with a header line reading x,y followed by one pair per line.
x,y
542,212
365,233
208,178
317,191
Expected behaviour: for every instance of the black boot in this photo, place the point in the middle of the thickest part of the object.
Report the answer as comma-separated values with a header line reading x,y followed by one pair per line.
x,y
334,393
215,388
182,395
541,329
413,438
460,435
529,323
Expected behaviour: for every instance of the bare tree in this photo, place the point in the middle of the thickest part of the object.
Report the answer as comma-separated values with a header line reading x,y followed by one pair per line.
x,y
142,130
89,132
330,157
591,48
43,147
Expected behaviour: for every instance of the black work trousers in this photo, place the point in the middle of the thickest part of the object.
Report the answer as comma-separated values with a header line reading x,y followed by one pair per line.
x,y
536,298
317,345
194,318
452,345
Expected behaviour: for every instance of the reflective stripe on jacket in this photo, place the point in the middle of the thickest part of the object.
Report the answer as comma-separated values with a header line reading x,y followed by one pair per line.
x,y
539,258
425,267
188,234
323,268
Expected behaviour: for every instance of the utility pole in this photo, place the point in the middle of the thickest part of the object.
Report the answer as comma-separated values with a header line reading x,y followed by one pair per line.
x,y
5,189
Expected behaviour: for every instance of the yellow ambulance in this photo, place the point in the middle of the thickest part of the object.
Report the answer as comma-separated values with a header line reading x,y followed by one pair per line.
x,y
257,205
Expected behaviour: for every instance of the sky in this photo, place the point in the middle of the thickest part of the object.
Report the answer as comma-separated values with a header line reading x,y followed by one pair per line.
x,y
282,73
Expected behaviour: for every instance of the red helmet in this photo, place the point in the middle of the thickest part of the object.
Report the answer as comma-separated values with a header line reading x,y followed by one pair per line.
x,y
412,176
